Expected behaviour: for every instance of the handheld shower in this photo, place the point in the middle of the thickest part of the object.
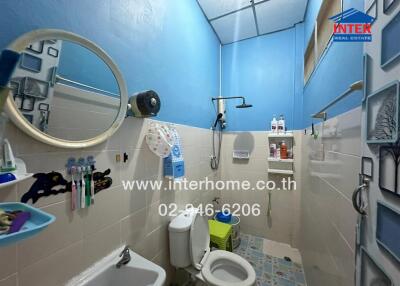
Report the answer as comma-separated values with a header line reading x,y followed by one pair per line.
x,y
219,116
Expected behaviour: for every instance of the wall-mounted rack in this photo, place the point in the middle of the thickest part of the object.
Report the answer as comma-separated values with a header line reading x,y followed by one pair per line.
x,y
276,164
20,174
281,135
280,160
63,80
279,171
241,154
322,114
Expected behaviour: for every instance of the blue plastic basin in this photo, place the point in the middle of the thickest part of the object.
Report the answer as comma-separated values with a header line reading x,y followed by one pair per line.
x,y
39,221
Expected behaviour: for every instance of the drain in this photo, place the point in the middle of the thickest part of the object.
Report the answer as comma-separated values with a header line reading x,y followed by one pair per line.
x,y
287,259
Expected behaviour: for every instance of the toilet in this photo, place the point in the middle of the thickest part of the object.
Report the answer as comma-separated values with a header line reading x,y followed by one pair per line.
x,y
189,242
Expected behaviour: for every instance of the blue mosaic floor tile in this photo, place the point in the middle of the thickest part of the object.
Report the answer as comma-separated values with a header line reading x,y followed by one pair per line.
x,y
263,283
285,262
299,277
255,253
270,270
283,282
268,267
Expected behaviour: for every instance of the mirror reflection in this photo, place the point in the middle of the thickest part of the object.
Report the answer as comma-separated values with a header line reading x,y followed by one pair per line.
x,y
65,90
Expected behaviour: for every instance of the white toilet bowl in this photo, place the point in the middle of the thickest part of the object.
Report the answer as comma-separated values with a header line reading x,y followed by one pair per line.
x,y
189,249
223,268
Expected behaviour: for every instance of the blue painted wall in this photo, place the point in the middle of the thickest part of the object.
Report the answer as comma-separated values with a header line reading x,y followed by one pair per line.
x,y
299,78
339,67
168,46
261,69
92,70
268,71
163,45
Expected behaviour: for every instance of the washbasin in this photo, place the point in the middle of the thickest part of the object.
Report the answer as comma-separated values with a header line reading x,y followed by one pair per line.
x,y
138,272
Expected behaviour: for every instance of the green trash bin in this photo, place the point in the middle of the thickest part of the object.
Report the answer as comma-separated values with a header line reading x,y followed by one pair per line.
x,y
235,223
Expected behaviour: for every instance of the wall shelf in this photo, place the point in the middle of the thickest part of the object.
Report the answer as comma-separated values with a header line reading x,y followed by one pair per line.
x,y
241,154
275,164
280,160
284,135
20,174
279,171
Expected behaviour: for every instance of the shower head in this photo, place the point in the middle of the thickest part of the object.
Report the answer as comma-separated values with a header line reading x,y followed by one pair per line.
x,y
244,105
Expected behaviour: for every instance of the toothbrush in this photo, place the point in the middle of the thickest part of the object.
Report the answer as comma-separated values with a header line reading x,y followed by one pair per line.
x,y
87,186
78,189
83,190
73,190
92,184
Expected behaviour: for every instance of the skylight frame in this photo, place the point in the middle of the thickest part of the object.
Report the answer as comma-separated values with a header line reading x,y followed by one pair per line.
x,y
252,5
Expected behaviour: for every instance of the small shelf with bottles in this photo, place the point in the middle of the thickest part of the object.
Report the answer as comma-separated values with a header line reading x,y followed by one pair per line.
x,y
280,152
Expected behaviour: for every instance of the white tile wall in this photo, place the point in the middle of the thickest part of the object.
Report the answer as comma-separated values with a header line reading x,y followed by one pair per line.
x,y
317,217
283,225
72,121
78,239
327,216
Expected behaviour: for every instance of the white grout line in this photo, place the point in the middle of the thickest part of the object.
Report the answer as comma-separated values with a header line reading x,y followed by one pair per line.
x,y
346,154
336,190
343,237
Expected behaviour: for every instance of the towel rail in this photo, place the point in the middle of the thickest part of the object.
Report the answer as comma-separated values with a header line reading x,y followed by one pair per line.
x,y
84,86
322,114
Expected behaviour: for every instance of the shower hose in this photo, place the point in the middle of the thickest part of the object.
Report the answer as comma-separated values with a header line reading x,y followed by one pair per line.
x,y
216,151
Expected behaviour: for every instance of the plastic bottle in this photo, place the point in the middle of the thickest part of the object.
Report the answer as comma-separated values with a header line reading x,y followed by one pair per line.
x,y
274,125
272,150
284,151
281,124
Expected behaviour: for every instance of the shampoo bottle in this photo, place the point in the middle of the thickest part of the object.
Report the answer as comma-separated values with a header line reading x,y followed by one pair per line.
x,y
274,125
281,124
284,150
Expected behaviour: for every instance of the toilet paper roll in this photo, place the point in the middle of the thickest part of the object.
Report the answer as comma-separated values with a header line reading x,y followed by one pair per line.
x,y
145,104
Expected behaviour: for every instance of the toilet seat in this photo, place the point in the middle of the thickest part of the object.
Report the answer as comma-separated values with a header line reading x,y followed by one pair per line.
x,y
223,268
218,268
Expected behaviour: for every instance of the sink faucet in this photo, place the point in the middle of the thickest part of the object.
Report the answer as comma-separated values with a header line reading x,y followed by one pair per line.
x,y
126,257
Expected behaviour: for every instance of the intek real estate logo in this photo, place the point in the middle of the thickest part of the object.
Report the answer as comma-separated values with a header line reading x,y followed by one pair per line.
x,y
352,26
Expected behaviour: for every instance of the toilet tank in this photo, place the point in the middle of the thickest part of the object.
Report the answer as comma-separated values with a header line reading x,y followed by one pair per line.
x,y
179,239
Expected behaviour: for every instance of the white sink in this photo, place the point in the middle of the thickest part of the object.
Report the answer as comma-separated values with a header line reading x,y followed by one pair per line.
x,y
138,272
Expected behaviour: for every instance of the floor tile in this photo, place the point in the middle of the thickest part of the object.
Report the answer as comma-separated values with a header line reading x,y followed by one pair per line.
x,y
271,270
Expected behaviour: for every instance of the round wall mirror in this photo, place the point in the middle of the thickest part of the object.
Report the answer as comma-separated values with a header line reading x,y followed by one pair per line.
x,y
65,91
